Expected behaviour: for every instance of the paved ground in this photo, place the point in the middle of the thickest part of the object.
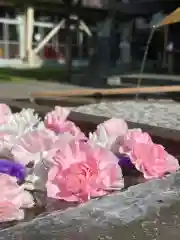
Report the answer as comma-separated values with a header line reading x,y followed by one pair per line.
x,y
23,90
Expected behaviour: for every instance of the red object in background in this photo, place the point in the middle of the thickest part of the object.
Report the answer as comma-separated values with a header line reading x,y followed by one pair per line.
x,y
50,53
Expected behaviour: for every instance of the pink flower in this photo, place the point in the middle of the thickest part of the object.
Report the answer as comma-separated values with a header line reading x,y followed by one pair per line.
x,y
110,134
31,146
82,172
67,152
116,127
69,127
5,113
57,122
149,158
13,199
132,137
59,114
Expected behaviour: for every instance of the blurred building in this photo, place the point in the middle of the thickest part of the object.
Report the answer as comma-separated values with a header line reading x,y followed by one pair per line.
x,y
14,34
133,20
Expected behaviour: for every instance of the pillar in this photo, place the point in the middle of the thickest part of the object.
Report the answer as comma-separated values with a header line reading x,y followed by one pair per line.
x,y
103,43
29,34
99,62
21,29
125,42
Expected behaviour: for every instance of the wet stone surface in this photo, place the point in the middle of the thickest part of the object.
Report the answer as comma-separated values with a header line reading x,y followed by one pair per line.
x,y
155,113
146,211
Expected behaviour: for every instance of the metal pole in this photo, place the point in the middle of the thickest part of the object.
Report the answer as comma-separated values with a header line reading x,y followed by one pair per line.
x,y
165,30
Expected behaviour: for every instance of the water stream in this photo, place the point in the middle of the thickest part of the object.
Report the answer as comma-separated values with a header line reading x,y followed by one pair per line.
x,y
144,59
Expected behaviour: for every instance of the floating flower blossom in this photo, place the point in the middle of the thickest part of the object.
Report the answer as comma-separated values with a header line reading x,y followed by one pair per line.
x,y
82,172
13,199
55,117
13,169
149,158
32,148
5,113
18,125
109,134
125,161
57,122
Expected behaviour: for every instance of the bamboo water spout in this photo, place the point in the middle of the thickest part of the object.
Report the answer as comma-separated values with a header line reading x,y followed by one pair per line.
x,y
106,92
172,18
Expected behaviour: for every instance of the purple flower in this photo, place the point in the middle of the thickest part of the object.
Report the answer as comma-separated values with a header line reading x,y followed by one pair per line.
x,y
13,169
125,161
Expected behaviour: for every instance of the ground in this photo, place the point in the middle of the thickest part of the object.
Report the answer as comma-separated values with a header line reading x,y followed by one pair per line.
x,y
11,90
20,83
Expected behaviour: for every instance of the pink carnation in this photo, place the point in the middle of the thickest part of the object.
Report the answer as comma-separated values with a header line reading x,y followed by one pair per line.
x,y
109,134
58,115
149,158
81,172
115,127
5,113
13,199
57,122
30,147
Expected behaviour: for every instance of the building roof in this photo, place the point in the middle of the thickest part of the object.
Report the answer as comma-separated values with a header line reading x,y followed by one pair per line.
x,y
127,7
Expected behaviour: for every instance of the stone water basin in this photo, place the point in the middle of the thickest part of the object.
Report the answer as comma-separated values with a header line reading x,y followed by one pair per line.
x,y
144,210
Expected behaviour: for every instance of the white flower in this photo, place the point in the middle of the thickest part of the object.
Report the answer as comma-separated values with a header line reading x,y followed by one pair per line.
x,y
18,125
100,137
110,134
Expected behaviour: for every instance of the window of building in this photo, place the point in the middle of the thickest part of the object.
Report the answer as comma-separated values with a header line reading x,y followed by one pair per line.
x,y
13,50
1,32
75,37
62,36
13,32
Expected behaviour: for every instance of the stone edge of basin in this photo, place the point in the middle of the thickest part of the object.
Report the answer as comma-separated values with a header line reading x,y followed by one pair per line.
x,y
122,207
117,209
